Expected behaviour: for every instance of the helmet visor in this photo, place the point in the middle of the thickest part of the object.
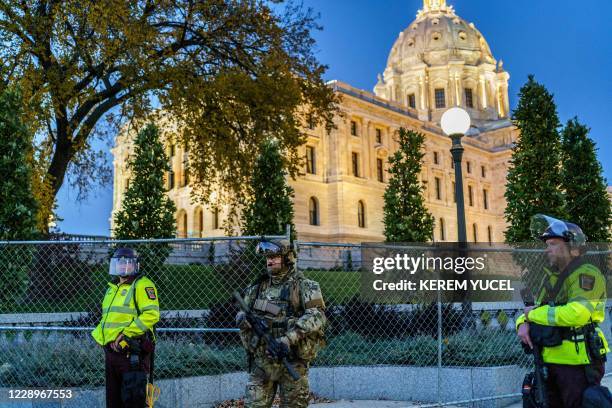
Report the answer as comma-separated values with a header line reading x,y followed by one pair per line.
x,y
268,249
123,266
544,227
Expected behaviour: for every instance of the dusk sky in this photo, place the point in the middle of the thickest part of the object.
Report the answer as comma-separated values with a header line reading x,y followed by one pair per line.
x,y
565,44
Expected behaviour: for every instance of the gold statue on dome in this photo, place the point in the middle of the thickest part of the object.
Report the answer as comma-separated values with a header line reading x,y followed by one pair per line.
x,y
434,5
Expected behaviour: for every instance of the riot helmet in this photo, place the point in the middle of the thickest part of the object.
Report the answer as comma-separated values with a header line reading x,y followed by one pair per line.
x,y
544,227
124,262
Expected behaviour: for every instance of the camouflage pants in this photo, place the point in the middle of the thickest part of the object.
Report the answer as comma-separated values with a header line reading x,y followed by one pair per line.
x,y
268,376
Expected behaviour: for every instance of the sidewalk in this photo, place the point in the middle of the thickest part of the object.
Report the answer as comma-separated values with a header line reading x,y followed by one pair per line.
x,y
607,381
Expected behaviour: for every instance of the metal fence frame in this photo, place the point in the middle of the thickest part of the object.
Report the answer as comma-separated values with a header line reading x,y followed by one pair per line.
x,y
187,242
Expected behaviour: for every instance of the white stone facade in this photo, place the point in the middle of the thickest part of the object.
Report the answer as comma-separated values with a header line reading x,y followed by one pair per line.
x,y
340,196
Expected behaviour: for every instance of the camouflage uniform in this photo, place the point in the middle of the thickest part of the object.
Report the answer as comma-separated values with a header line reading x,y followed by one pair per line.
x,y
293,307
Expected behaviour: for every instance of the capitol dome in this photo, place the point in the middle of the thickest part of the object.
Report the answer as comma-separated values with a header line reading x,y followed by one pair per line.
x,y
436,38
441,61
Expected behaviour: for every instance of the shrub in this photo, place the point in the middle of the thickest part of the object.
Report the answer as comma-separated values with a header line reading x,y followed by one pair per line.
x,y
502,318
59,360
223,315
424,320
485,318
371,320
60,272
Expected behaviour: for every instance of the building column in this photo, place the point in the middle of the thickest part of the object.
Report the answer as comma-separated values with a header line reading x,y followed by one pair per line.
x,y
365,147
483,91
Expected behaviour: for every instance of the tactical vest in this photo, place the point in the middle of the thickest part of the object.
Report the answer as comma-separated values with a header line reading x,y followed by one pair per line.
x,y
281,306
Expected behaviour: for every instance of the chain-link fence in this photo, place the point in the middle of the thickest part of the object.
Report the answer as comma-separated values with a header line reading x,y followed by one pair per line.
x,y
50,296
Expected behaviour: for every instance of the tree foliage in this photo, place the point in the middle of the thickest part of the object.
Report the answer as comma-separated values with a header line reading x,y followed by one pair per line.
x,y
146,210
270,207
406,218
228,72
19,206
534,177
587,202
17,203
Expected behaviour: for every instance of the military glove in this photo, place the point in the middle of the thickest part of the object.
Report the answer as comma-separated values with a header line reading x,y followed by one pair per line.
x,y
242,322
279,348
285,341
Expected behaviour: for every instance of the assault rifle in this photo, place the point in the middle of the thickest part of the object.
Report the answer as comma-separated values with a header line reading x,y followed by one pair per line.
x,y
534,385
278,350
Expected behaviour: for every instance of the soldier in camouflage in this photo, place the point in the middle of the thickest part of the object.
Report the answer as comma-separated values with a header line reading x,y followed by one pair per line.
x,y
294,310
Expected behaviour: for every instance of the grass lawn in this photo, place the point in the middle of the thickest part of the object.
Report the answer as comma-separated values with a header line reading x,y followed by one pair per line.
x,y
195,287
183,287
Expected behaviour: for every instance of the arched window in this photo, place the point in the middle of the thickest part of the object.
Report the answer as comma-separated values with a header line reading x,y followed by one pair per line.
x,y
313,211
181,221
442,230
215,219
361,214
199,220
475,232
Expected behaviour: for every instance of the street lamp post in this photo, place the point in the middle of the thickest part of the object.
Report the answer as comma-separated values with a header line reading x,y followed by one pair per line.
x,y
455,123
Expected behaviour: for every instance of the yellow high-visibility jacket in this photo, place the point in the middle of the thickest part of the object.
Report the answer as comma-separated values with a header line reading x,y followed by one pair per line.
x,y
581,300
119,313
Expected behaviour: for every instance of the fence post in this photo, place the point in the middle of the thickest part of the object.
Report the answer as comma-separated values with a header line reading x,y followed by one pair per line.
x,y
288,232
439,348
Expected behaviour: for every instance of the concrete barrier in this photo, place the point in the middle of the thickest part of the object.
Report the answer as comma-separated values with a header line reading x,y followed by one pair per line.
x,y
367,383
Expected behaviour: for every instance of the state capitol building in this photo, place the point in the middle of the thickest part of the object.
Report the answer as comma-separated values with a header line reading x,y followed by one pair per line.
x,y
439,61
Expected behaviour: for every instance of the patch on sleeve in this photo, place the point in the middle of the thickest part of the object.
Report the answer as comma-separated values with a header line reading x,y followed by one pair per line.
x,y
587,282
151,293
315,303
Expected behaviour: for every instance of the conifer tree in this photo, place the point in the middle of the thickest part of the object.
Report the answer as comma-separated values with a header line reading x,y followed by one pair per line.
x,y
270,208
146,211
406,218
534,178
18,206
587,203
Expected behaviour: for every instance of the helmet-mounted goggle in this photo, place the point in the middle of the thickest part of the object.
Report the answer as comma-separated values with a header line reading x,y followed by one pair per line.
x,y
268,248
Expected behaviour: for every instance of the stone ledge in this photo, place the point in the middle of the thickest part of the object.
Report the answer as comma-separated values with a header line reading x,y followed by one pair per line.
x,y
397,383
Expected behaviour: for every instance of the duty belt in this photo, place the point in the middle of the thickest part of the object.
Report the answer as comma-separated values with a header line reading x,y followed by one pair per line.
x,y
576,333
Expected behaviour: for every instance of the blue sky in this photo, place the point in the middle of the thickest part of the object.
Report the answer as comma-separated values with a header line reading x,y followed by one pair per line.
x,y
565,44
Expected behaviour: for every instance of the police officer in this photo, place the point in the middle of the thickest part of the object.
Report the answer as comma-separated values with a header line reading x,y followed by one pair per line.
x,y
570,304
130,309
293,307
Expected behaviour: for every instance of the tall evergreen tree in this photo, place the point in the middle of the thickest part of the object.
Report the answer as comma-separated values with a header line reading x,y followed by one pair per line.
x,y
534,177
270,208
586,198
18,209
406,218
146,211
18,206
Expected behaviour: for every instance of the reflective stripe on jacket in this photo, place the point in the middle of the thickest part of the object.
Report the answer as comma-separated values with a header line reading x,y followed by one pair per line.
x,y
119,313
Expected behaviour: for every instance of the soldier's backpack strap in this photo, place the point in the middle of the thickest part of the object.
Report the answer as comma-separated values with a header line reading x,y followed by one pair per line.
x,y
255,287
292,294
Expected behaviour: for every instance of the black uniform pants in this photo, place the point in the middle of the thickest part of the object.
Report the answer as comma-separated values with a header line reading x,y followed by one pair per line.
x,y
566,383
116,364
